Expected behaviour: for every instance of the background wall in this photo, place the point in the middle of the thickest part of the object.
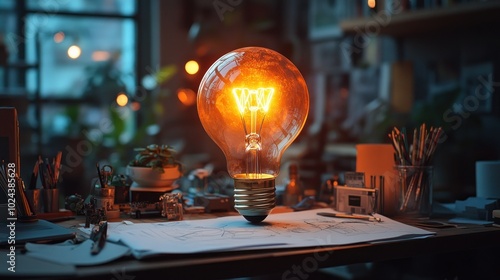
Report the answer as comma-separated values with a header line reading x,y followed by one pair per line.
x,y
345,76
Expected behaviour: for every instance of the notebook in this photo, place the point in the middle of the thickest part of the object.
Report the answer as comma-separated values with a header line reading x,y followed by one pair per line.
x,y
35,231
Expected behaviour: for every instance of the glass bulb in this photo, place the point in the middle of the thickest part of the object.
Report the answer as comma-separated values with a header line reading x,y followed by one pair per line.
x,y
253,102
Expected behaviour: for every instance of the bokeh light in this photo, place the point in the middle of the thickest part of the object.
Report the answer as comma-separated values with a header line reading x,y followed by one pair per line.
x,y
59,37
187,96
192,67
74,52
122,99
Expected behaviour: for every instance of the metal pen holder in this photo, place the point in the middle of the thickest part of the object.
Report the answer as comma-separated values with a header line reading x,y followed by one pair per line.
x,y
105,197
50,200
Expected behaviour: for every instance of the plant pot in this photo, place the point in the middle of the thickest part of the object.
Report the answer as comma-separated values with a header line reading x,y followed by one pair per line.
x,y
152,178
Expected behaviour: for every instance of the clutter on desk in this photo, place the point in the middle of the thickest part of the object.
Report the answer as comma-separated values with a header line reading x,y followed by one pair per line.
x,y
350,195
354,197
102,192
472,210
75,203
326,192
199,191
305,204
44,199
213,202
204,190
143,209
122,191
476,208
142,194
153,173
105,195
172,206
93,215
111,194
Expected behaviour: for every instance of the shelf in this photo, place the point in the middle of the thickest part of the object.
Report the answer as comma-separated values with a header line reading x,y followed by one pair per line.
x,y
427,20
67,101
21,94
13,92
20,65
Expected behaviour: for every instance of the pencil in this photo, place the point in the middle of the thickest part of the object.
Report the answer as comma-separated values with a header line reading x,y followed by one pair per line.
x,y
349,216
420,155
100,176
57,167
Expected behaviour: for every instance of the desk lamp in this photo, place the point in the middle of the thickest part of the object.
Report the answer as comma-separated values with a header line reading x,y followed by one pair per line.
x,y
253,102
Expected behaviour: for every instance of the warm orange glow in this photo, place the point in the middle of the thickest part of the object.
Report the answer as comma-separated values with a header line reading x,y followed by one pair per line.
x,y
100,56
122,99
344,93
252,110
74,52
59,37
192,67
253,102
372,3
253,99
186,96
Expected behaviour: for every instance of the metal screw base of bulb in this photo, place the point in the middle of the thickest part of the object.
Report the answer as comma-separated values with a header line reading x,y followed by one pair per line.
x,y
254,198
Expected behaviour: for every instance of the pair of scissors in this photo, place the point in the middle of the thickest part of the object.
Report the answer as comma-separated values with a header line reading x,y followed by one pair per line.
x,y
107,174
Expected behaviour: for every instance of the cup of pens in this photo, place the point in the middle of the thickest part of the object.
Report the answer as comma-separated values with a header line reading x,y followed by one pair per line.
x,y
45,199
415,190
413,157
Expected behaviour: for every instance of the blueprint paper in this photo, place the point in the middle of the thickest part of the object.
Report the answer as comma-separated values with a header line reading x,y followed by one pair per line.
x,y
284,230
76,254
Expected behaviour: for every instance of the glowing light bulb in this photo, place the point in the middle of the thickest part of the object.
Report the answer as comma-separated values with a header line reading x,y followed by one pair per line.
x,y
253,102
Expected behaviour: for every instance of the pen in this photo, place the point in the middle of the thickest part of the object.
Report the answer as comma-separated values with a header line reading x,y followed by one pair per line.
x,y
34,177
350,216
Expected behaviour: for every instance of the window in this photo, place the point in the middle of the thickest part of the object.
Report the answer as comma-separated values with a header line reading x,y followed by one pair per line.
x,y
67,62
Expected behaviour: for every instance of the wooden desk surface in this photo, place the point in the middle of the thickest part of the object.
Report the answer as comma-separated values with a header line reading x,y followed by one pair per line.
x,y
291,263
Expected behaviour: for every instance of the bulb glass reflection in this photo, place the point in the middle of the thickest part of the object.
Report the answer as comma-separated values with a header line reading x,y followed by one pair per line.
x,y
253,102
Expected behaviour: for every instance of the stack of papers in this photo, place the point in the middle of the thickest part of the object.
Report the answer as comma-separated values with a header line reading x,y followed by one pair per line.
x,y
285,230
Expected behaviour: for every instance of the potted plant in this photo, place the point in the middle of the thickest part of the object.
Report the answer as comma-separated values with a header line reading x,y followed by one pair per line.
x,y
154,166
